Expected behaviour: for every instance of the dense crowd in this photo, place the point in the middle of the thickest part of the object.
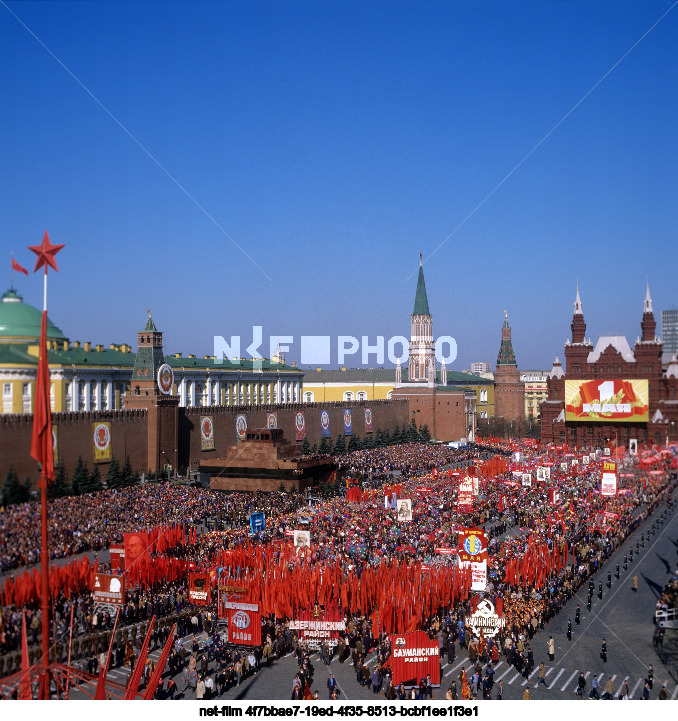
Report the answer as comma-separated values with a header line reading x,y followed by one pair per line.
x,y
355,536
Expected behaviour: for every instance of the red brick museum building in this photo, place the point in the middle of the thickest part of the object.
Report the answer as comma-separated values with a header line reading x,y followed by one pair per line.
x,y
610,390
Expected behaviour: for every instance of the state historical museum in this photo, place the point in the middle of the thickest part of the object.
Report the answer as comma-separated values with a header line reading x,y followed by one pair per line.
x,y
611,391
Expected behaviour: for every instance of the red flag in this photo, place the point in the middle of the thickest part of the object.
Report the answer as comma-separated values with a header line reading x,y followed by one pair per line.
x,y
25,683
16,266
42,446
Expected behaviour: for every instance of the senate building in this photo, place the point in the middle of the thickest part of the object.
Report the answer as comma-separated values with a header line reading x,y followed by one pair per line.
x,y
92,377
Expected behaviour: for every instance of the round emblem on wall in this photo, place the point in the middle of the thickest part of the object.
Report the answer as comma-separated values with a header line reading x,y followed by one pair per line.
x,y
206,427
165,379
325,419
241,620
241,426
299,422
271,420
102,437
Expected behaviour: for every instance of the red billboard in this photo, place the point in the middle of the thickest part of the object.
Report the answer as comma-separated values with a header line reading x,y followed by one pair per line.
x,y
413,657
607,400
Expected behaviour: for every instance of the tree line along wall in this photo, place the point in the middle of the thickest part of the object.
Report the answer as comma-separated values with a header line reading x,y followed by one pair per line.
x,y
385,415
75,437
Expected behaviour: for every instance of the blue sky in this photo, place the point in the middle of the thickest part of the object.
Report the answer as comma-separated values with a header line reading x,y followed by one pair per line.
x,y
334,141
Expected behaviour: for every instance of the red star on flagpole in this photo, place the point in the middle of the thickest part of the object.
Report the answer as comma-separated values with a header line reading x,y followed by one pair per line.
x,y
45,253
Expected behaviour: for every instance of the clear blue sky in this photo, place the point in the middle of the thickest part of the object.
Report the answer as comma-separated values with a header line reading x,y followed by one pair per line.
x,y
334,141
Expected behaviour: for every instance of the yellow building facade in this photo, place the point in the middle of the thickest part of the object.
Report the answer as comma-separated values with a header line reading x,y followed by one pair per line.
x,y
88,377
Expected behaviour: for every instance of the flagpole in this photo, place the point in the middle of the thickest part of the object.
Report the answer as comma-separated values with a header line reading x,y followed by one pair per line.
x,y
42,451
11,280
44,554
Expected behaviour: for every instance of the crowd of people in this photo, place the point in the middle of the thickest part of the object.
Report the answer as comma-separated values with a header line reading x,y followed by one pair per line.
x,y
585,527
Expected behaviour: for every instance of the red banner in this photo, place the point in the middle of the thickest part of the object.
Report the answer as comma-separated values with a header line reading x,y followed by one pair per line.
x,y
608,478
413,657
318,626
199,589
465,496
136,548
109,589
244,623
117,558
472,545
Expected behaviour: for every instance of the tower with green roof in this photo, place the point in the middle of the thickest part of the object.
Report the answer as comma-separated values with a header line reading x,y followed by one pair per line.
x,y
149,358
509,390
422,360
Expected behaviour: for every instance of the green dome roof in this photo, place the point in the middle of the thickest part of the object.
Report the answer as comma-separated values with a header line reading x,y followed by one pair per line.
x,y
20,321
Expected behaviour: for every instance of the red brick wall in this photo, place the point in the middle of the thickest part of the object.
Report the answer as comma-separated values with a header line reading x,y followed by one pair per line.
x,y
509,393
385,414
144,433
442,411
75,438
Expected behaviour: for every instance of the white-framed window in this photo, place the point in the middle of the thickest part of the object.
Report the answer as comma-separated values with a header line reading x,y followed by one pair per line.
x,y
308,397
348,396
389,395
483,414
26,397
362,396
483,395
6,397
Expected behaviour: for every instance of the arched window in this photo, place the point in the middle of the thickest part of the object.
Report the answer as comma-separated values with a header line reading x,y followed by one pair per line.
x,y
308,397
137,391
362,396
389,395
348,396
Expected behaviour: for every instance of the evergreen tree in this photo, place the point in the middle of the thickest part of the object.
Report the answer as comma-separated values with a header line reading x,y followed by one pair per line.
x,y
12,491
59,486
425,433
95,482
330,449
367,442
354,443
323,446
323,488
281,487
379,438
126,473
314,450
412,433
386,438
80,481
396,438
114,475
306,448
340,445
